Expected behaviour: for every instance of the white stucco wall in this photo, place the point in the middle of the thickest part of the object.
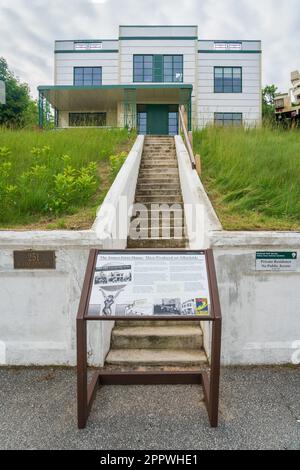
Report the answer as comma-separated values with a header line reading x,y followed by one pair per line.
x,y
249,102
38,308
261,320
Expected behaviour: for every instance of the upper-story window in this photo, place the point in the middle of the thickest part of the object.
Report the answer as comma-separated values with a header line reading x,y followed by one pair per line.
x,y
158,68
173,68
86,46
227,46
87,76
228,80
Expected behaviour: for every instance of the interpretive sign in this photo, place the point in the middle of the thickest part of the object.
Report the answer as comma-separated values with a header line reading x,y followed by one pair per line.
x,y
30,259
156,285
149,285
276,261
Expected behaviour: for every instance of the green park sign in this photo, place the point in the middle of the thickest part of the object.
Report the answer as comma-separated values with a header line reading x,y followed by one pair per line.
x,y
278,261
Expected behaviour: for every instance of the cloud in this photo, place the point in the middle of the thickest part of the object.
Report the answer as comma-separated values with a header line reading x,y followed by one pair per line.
x,y
28,29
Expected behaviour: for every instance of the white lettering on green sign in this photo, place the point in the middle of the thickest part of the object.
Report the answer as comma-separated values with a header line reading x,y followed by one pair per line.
x,y
277,261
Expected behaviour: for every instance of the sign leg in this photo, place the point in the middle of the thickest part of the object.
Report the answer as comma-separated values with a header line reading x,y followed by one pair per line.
x,y
81,373
215,373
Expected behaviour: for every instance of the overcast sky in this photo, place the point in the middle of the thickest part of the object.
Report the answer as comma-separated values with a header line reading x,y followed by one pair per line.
x,y
28,29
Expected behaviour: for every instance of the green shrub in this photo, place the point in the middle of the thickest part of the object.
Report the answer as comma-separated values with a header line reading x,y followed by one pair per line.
x,y
73,187
8,191
116,163
55,172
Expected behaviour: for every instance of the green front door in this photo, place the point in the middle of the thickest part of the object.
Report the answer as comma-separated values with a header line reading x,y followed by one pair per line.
x,y
157,119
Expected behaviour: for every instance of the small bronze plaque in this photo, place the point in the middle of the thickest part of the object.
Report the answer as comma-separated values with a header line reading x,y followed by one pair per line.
x,y
30,259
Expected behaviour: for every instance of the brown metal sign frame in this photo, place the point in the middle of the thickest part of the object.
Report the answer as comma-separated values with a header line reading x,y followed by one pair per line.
x,y
86,392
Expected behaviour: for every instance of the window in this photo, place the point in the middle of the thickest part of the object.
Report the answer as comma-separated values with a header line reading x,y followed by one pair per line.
x,y
142,68
228,79
87,76
142,119
173,120
88,46
158,68
173,68
225,46
229,119
87,119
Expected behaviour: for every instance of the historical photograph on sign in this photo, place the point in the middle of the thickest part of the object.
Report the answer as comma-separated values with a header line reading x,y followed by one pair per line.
x,y
128,285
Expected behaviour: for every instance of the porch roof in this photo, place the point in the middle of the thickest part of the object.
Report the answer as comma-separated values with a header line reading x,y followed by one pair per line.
x,y
74,98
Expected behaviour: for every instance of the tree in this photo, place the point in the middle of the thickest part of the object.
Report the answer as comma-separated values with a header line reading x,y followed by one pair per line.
x,y
20,109
268,96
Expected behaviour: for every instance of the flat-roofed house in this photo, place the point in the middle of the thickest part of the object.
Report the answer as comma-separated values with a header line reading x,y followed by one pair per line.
x,y
140,79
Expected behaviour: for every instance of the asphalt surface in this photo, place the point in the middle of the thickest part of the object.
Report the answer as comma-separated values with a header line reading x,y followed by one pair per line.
x,y
260,409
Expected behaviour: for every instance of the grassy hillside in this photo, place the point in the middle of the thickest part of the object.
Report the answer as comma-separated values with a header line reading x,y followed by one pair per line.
x,y
252,176
57,179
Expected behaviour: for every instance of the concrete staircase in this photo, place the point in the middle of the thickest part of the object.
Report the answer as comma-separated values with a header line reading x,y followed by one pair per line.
x,y
147,344
150,344
159,184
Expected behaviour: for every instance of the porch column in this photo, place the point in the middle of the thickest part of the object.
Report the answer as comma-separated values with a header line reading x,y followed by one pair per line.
x,y
130,114
41,110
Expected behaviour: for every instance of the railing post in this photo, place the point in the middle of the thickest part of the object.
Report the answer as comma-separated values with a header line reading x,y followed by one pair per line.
x,y
198,164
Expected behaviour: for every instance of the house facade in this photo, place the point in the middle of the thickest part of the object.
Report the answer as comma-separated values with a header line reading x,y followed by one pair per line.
x,y
140,79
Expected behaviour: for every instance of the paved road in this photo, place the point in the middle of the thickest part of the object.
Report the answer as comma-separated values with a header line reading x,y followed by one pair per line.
x,y
260,409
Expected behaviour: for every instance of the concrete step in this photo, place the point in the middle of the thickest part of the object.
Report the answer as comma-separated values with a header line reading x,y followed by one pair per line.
x,y
156,211
158,192
167,199
158,157
175,233
172,180
153,186
164,357
157,337
157,172
155,222
161,162
157,243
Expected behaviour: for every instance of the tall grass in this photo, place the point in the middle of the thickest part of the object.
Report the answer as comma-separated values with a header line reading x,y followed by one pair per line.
x,y
42,166
254,174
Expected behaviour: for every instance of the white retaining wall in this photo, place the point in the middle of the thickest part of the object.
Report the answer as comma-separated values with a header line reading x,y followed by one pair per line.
x,y
261,314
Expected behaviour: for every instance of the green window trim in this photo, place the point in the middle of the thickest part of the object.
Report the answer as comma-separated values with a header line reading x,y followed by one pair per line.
x,y
213,51
96,51
158,38
158,68
231,84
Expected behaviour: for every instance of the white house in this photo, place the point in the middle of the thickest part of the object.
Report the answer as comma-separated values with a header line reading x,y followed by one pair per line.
x,y
140,79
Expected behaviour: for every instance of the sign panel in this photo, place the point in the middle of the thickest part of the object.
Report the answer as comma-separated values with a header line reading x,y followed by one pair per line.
x,y
30,259
277,261
150,285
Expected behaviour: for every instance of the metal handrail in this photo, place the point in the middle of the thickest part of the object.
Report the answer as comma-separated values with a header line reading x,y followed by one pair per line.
x,y
187,139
